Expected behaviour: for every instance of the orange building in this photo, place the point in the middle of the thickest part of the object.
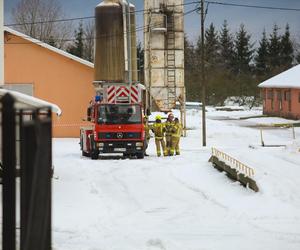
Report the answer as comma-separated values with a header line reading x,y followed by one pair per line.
x,y
281,94
38,69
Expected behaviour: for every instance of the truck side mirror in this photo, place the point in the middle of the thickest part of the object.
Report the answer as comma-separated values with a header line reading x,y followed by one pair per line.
x,y
89,111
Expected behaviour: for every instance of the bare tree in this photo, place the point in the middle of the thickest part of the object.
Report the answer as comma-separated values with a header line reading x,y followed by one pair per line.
x,y
89,41
36,19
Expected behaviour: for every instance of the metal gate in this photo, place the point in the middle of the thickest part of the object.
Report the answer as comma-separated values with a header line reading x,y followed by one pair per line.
x,y
26,154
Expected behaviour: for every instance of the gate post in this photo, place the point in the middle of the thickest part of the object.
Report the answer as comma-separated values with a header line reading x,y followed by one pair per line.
x,y
9,169
36,169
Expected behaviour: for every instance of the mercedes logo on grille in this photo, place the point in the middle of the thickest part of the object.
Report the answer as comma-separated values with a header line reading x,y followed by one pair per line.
x,y
119,135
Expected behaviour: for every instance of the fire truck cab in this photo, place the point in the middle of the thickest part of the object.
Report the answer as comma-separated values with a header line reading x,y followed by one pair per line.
x,y
116,124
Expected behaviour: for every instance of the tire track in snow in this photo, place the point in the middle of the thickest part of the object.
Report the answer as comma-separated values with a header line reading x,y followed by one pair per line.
x,y
199,192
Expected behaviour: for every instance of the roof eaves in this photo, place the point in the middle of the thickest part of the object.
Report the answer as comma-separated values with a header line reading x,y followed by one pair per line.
x,y
47,46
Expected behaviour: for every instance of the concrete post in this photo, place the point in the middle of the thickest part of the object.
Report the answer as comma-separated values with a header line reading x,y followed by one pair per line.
x,y
1,44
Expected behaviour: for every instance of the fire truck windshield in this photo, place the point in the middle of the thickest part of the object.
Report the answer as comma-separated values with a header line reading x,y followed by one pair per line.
x,y
119,114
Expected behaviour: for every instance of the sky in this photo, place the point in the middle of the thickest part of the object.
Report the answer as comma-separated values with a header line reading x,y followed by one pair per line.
x,y
255,20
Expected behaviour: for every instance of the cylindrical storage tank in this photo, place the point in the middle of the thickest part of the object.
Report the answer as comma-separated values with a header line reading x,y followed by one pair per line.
x,y
134,58
109,52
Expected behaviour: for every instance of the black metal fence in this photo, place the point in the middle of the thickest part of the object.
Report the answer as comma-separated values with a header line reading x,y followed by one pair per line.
x,y
26,153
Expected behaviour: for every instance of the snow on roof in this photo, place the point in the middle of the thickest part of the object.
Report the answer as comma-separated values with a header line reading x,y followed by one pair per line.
x,y
287,79
30,101
47,46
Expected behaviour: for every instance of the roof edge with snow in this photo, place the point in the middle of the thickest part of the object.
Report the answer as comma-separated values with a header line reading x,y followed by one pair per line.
x,y
49,47
287,79
30,101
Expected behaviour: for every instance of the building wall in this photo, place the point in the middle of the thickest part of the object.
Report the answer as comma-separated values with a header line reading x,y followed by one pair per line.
x,y
55,78
282,102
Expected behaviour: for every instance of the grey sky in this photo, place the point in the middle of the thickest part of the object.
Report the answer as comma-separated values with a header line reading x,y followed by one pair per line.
x,y
255,20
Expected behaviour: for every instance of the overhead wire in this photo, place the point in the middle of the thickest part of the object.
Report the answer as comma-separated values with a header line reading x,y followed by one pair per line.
x,y
253,6
141,28
144,11
90,17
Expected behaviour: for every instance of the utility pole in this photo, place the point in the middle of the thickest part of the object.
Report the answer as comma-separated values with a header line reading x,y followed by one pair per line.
x,y
1,44
203,77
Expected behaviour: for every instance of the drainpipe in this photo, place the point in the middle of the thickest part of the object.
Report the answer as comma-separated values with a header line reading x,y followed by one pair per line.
x,y
127,41
1,44
126,55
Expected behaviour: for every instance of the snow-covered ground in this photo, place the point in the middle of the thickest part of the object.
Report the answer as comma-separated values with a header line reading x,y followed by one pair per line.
x,y
181,203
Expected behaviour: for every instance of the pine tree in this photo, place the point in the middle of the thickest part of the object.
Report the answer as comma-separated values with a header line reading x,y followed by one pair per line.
x,y
287,50
140,61
261,58
274,49
226,47
243,51
211,45
298,58
77,48
211,58
192,75
242,58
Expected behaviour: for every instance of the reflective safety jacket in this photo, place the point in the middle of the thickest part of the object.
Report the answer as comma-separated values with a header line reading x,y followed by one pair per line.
x,y
176,130
169,127
158,130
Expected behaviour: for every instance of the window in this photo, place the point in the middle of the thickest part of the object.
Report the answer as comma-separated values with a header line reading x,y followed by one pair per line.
x,y
270,94
272,104
24,88
287,95
299,97
119,114
279,95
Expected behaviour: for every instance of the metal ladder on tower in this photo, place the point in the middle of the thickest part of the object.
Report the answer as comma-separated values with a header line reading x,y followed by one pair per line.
x,y
171,62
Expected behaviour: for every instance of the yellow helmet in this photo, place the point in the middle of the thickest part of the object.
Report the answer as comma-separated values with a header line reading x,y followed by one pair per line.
x,y
158,117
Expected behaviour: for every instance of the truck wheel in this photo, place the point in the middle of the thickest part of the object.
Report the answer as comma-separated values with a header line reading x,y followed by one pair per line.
x,y
125,155
140,155
94,154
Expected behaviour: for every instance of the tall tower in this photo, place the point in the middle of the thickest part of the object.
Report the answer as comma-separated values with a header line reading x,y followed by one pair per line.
x,y
164,54
1,43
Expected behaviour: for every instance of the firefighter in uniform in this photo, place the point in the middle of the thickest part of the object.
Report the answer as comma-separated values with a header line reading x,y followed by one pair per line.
x,y
158,129
169,125
176,134
147,128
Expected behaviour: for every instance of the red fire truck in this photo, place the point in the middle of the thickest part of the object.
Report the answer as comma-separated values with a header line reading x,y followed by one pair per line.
x,y
116,123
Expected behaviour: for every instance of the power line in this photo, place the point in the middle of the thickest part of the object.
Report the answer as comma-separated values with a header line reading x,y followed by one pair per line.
x,y
141,28
90,17
253,6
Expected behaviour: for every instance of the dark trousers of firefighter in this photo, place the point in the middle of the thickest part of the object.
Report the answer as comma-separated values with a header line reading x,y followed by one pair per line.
x,y
175,145
168,144
159,142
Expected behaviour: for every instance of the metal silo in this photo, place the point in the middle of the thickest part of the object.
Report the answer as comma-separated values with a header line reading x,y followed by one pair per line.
x,y
109,51
115,52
